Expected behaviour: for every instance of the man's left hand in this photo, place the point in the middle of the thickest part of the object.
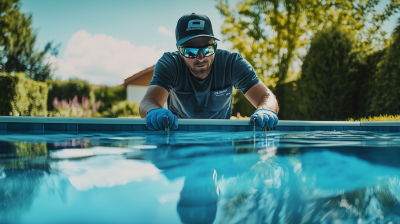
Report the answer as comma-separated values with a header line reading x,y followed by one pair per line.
x,y
264,117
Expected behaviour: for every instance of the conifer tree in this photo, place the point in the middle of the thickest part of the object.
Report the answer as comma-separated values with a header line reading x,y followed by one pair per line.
x,y
17,44
328,82
386,91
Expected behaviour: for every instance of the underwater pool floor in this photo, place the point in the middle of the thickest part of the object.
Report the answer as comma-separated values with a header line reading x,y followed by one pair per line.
x,y
201,177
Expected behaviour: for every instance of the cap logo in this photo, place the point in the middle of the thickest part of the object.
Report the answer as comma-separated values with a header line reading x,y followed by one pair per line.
x,y
195,25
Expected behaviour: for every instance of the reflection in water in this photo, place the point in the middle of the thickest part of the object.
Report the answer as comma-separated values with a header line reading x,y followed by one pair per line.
x,y
18,190
198,199
19,178
274,177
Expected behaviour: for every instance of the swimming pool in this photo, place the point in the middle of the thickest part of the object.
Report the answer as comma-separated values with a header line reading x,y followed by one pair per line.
x,y
200,177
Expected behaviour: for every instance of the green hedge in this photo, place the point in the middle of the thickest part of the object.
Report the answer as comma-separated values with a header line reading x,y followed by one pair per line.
x,y
67,90
21,96
109,96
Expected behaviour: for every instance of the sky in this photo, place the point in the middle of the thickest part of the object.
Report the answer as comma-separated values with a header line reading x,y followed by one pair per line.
x,y
105,42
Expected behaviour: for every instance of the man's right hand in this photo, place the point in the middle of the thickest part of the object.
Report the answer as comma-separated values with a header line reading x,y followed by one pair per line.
x,y
154,119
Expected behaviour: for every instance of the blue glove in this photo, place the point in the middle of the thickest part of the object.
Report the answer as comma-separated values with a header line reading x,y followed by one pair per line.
x,y
264,118
154,119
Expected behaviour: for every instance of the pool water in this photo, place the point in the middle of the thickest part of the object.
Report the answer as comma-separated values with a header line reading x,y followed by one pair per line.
x,y
202,177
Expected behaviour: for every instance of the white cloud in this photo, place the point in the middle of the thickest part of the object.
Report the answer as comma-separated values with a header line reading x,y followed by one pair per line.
x,y
102,59
164,30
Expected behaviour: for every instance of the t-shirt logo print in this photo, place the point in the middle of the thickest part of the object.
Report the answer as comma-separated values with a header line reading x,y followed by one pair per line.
x,y
221,93
195,25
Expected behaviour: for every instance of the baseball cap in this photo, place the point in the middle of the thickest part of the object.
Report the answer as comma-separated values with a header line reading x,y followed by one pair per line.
x,y
191,26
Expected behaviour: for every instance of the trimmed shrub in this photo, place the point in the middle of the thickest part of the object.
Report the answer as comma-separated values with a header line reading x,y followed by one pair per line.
x,y
328,85
22,96
122,109
68,90
109,96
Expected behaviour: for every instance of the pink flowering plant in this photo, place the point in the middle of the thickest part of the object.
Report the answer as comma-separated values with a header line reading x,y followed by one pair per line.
x,y
72,108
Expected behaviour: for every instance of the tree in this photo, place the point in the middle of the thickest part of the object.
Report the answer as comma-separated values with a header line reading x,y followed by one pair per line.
x,y
273,34
386,91
329,78
17,40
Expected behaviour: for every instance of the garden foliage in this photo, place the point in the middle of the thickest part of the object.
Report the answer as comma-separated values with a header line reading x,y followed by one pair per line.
x,y
272,34
67,90
378,118
21,96
109,96
72,108
122,109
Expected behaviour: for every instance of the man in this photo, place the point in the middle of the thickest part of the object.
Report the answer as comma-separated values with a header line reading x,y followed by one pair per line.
x,y
197,80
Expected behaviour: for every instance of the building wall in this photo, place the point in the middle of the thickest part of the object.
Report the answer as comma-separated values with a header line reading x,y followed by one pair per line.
x,y
135,93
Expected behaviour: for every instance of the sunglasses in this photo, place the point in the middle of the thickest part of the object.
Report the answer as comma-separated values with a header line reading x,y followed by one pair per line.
x,y
193,52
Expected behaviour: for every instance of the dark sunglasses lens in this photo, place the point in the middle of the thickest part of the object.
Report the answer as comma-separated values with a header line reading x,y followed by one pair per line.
x,y
208,51
191,52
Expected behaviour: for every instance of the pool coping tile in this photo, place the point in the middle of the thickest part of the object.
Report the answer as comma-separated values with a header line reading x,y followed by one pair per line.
x,y
77,128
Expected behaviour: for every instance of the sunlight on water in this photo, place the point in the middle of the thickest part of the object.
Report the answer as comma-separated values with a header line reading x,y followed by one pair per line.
x,y
245,177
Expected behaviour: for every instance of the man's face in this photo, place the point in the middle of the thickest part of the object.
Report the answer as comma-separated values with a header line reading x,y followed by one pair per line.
x,y
200,66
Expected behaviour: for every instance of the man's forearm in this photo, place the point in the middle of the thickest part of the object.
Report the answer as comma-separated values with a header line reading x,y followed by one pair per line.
x,y
268,101
146,105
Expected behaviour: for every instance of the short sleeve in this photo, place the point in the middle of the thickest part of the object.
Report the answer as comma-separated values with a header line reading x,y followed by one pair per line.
x,y
163,73
243,75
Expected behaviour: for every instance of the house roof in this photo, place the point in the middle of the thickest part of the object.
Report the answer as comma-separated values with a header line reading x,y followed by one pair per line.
x,y
132,78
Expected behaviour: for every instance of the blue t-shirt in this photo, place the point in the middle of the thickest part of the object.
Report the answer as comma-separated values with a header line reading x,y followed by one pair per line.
x,y
209,98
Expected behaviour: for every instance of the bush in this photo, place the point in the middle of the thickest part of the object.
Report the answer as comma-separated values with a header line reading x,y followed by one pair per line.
x,y
109,96
73,108
21,96
328,85
68,90
122,109
386,91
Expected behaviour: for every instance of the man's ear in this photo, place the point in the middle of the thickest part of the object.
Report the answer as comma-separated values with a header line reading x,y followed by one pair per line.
x,y
179,51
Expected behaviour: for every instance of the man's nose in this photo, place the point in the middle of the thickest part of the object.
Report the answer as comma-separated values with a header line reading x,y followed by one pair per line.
x,y
200,56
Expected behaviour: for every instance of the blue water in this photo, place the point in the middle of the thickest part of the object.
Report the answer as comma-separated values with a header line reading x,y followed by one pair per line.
x,y
183,177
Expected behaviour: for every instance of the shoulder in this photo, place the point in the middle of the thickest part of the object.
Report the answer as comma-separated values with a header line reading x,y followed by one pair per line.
x,y
170,61
231,60
227,54
227,58
170,57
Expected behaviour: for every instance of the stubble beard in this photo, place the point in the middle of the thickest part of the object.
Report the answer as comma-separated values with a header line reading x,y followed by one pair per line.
x,y
203,72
